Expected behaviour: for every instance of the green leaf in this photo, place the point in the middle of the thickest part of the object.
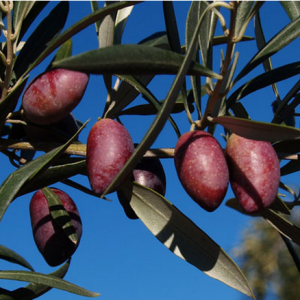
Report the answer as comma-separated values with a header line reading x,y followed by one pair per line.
x,y
261,42
13,257
33,290
60,215
47,280
15,181
206,33
263,80
191,21
288,147
132,60
20,10
285,227
279,41
257,130
64,51
120,23
106,29
47,30
242,14
35,8
149,97
181,236
292,8
95,7
171,26
149,109
76,28
54,174
278,205
289,168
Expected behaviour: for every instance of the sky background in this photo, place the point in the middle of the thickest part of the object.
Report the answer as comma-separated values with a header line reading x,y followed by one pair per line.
x,y
118,257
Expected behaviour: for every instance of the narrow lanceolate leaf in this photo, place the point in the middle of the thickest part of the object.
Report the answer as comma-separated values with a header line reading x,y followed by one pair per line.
x,y
53,175
243,12
131,59
21,8
258,130
16,180
285,227
171,26
279,41
33,290
65,50
181,236
13,257
261,42
263,80
120,23
47,280
292,8
106,30
60,215
76,28
45,32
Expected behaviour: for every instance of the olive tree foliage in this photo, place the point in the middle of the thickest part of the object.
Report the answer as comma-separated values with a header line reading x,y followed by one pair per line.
x,y
216,95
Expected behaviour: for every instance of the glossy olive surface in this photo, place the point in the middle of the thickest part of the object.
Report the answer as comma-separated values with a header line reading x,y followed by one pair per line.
x,y
202,168
53,95
109,146
254,172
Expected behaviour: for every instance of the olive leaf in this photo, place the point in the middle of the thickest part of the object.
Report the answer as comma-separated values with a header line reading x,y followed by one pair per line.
x,y
47,280
181,236
60,215
131,59
33,290
13,257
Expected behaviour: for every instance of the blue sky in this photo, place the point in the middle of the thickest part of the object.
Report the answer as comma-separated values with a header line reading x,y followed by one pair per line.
x,y
118,257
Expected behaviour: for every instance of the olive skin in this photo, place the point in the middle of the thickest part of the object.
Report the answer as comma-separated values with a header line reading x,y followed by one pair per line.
x,y
50,239
254,172
109,146
202,168
53,95
149,173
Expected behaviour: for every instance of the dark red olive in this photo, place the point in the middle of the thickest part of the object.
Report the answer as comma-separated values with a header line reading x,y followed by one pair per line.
x,y
254,172
53,95
50,238
202,169
109,146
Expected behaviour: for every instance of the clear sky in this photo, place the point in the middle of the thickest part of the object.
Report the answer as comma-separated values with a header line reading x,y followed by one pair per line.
x,y
118,257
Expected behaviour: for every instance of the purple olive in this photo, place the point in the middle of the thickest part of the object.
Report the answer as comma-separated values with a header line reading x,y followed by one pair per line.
x,y
51,240
254,172
53,95
202,169
109,146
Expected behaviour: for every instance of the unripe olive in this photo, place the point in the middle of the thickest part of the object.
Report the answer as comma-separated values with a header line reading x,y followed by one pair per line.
x,y
109,146
51,240
53,95
254,172
202,169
